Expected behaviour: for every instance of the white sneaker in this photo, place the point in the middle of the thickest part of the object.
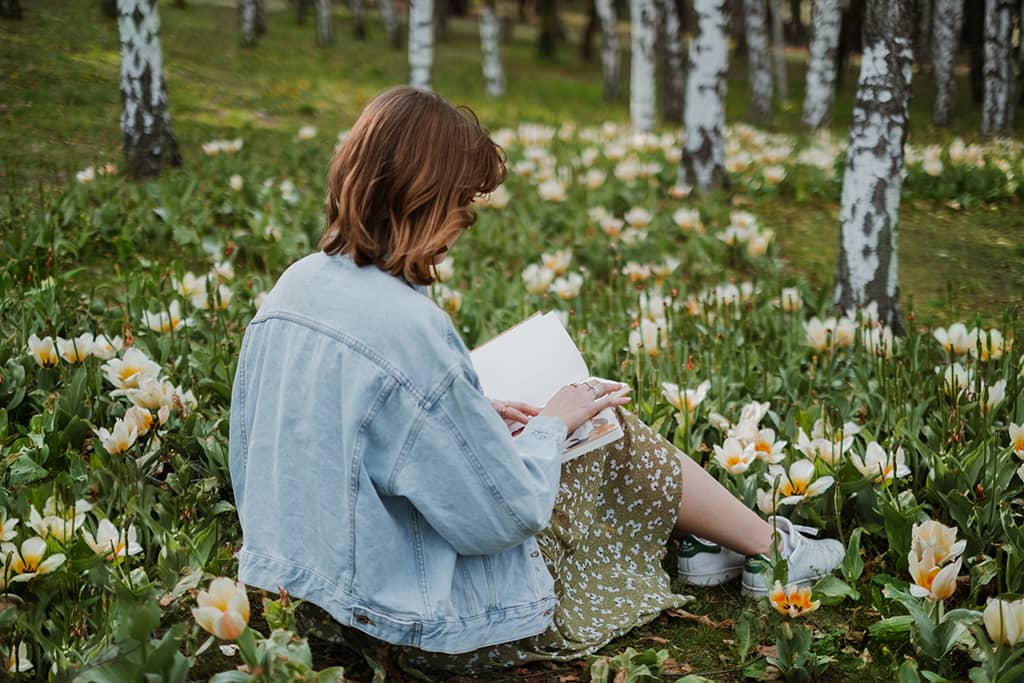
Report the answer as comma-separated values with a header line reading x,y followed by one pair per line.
x,y
809,559
705,563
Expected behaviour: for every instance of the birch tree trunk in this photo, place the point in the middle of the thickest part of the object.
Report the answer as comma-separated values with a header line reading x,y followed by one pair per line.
x,y
671,79
703,160
494,74
779,50
758,61
609,50
421,42
948,21
869,207
641,71
389,17
821,72
149,142
324,23
358,9
996,107
247,22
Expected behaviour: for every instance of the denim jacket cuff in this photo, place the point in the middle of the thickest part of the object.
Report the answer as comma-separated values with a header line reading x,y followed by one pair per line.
x,y
546,427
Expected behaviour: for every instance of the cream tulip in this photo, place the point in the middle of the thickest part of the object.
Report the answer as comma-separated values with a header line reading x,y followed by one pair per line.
x,y
223,608
112,543
1004,621
43,351
734,457
26,563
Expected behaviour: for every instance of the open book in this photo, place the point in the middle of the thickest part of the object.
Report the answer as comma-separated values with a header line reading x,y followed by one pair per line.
x,y
530,362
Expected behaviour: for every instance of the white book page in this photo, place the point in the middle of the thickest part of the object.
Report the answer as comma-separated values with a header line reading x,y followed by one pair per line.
x,y
529,362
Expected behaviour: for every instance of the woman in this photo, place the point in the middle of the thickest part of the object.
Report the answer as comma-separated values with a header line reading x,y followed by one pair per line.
x,y
376,482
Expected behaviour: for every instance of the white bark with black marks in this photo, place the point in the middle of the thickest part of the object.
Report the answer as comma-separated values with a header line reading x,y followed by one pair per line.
x,y
779,50
247,22
421,43
610,67
703,161
149,142
826,19
869,207
641,65
389,17
494,74
759,70
948,21
324,23
996,109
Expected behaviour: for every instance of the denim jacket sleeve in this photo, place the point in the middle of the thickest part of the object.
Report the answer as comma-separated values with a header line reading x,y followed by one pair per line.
x,y
480,489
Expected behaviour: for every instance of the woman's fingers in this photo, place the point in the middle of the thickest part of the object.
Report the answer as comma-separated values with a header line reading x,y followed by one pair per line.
x,y
524,408
515,414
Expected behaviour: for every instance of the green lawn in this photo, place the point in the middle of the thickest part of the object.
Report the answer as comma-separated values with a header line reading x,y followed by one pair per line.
x,y
59,112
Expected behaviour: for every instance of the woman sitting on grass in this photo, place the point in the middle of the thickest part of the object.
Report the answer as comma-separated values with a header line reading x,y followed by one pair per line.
x,y
375,481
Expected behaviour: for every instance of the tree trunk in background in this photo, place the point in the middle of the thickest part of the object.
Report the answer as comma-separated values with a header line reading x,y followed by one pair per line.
x,y
358,9
641,65
421,43
587,41
109,8
261,18
997,108
609,50
821,71
494,74
671,79
974,39
759,70
301,9
947,21
149,143
389,17
247,22
779,50
923,34
703,161
736,23
869,208
10,9
798,32
441,12
550,29
1020,54
324,23
851,33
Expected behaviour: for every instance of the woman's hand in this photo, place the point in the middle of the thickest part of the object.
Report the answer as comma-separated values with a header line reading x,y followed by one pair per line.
x,y
514,413
577,403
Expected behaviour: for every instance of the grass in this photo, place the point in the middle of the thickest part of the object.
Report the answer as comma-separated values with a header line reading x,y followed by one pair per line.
x,y
59,109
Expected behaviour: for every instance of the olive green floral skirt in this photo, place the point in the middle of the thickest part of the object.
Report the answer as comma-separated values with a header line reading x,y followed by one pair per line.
x,y
615,509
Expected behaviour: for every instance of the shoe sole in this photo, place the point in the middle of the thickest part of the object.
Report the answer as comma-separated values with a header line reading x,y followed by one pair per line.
x,y
758,592
710,578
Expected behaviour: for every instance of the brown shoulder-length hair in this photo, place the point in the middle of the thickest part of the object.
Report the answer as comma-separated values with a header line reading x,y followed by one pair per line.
x,y
401,183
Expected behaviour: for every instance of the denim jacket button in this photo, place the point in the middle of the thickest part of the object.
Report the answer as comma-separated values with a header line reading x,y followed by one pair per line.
x,y
363,619
535,553
547,612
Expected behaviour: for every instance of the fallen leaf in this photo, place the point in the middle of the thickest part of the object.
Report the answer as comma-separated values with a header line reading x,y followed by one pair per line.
x,y
766,651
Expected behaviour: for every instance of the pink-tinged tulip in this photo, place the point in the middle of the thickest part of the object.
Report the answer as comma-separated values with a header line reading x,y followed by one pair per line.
x,y
223,608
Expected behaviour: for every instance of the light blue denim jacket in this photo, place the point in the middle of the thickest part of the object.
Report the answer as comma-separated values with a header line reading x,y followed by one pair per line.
x,y
371,475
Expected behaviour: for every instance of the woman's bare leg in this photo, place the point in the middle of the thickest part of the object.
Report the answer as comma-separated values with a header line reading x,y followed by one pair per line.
x,y
709,510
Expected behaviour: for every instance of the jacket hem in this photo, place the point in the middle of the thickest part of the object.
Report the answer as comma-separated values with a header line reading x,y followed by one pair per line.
x,y
449,636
